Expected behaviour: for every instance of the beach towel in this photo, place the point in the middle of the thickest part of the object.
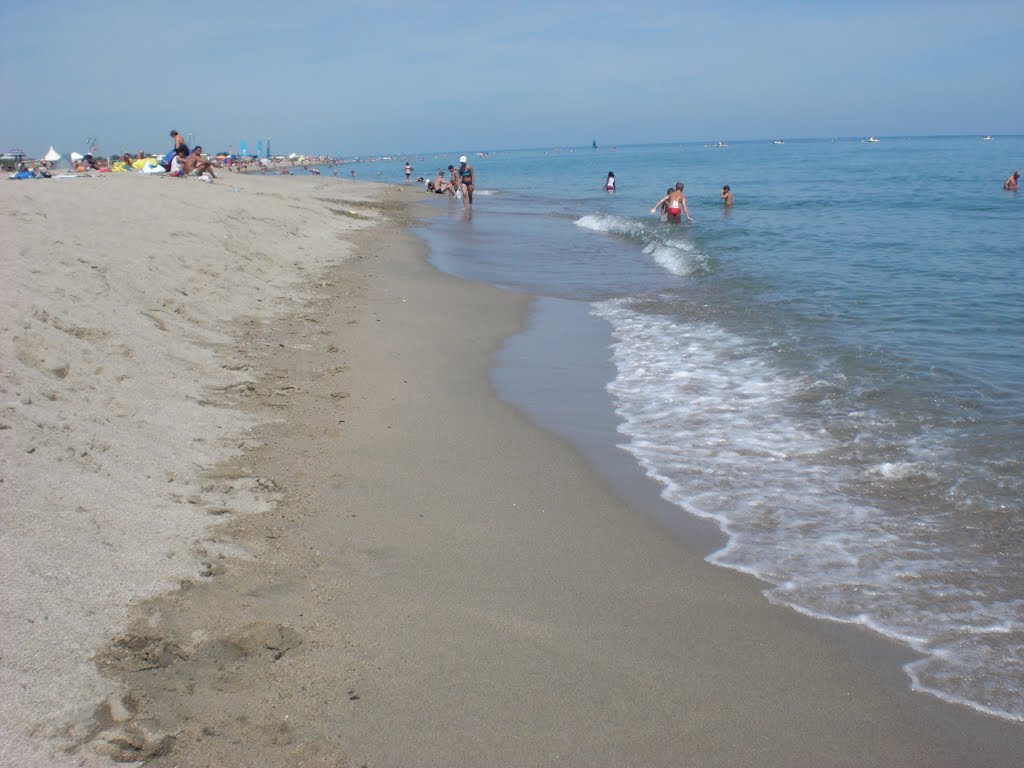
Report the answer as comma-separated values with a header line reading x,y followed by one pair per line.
x,y
152,169
21,175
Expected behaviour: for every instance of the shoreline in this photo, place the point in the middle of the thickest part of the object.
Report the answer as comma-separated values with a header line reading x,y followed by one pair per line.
x,y
563,335
442,582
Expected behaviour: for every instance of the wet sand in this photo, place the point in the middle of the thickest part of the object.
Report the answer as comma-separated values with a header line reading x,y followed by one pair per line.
x,y
377,561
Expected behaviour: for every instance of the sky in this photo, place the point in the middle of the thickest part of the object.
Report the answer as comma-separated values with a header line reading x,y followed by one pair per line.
x,y
409,76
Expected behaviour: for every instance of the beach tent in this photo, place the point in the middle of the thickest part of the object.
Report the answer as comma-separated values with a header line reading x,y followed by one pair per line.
x,y
76,156
52,156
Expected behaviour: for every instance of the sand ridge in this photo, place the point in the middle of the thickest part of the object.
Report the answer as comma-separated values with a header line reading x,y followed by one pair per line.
x,y
121,296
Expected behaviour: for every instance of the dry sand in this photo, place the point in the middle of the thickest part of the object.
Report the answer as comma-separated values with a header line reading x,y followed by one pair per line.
x,y
121,301
404,572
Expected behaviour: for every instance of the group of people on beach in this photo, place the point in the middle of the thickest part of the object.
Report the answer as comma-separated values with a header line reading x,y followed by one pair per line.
x,y
460,181
181,161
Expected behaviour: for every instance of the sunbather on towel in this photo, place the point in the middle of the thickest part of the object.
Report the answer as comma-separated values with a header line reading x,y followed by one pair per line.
x,y
87,163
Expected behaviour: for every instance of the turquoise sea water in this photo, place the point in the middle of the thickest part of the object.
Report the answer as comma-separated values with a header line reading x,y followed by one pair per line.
x,y
831,370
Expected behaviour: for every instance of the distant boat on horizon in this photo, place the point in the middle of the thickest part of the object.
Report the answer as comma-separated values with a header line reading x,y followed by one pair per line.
x,y
595,143
779,141
721,144
986,138
873,140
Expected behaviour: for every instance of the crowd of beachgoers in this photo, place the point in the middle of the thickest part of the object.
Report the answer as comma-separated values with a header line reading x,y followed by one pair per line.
x,y
179,161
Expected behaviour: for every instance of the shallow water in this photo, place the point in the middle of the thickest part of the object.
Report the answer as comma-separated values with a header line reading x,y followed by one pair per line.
x,y
830,370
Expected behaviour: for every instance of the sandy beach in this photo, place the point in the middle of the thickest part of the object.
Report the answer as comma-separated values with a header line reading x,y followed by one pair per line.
x,y
261,506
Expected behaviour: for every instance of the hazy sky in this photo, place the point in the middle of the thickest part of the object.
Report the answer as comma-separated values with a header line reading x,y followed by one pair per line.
x,y
407,76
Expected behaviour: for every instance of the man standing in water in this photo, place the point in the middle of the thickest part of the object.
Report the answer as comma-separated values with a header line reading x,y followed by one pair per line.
x,y
676,205
1012,184
726,195
466,181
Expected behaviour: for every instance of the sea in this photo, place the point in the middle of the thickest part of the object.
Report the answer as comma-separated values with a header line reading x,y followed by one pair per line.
x,y
831,370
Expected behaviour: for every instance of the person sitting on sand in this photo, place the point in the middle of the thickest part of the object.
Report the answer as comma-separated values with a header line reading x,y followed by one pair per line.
x,y
439,184
196,164
178,160
1012,184
87,163
179,143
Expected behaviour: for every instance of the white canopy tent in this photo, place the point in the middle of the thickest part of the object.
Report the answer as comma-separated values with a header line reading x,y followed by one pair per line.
x,y
76,156
52,156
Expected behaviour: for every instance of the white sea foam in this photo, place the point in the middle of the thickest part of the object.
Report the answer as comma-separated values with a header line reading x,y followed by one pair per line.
x,y
674,254
901,470
707,414
617,225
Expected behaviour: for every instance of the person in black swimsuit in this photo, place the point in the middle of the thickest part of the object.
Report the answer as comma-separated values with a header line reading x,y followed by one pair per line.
x,y
466,180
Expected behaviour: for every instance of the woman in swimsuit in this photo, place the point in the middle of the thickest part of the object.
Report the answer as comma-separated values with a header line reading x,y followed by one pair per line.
x,y
609,184
467,179
676,205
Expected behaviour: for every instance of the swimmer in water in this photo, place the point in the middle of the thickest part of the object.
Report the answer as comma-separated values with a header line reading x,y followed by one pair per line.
x,y
726,195
609,184
676,205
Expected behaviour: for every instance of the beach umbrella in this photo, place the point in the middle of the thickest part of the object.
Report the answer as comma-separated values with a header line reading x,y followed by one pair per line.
x,y
52,156
76,156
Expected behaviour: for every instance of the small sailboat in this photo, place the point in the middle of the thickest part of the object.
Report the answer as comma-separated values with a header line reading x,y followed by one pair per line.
x,y
595,143
873,140
721,144
986,138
